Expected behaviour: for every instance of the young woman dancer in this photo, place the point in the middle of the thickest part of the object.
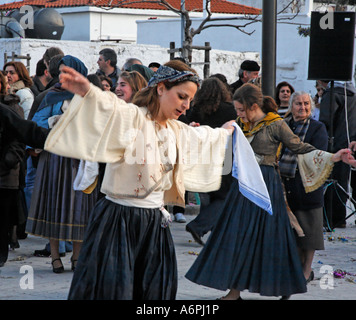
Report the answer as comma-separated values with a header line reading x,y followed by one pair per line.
x,y
248,248
128,252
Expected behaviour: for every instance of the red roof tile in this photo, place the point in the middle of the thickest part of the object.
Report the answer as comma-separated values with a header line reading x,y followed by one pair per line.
x,y
217,6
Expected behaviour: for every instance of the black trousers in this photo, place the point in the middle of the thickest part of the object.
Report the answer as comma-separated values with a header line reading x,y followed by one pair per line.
x,y
353,185
209,212
8,211
336,208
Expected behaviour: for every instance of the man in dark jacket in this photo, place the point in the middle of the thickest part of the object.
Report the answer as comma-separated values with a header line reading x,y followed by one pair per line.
x,y
107,66
41,79
342,112
249,70
53,70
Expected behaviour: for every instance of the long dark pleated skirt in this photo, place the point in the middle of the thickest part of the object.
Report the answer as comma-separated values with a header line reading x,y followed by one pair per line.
x,y
57,211
250,249
126,255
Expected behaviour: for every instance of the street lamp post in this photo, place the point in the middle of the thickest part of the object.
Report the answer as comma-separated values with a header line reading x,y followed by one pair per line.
x,y
183,52
269,35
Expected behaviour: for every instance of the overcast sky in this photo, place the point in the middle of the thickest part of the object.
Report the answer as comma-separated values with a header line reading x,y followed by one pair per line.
x,y
8,1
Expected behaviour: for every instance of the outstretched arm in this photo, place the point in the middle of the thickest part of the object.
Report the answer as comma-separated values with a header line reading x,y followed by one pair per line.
x,y
341,155
74,82
316,166
26,131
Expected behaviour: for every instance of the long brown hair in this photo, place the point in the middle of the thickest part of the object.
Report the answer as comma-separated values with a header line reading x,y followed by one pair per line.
x,y
135,80
250,94
148,97
3,84
209,97
21,72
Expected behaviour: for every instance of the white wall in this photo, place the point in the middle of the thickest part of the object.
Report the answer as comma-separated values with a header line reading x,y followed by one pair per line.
x,y
113,26
117,23
94,24
76,26
224,62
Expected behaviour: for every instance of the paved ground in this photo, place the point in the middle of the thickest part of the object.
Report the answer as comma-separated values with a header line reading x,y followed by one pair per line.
x,y
340,253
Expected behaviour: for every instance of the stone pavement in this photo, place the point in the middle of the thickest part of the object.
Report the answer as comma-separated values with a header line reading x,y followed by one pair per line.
x,y
22,266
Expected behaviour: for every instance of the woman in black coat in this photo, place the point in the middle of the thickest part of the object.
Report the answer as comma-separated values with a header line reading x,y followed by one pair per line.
x,y
212,106
12,154
337,110
307,207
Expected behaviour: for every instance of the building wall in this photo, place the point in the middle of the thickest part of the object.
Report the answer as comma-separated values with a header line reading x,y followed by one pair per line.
x,y
76,26
281,4
292,49
114,26
88,51
94,24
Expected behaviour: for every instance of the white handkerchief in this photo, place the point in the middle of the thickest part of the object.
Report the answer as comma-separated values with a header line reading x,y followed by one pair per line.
x,y
248,172
86,175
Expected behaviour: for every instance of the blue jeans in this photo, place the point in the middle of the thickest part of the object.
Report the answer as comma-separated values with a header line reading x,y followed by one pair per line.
x,y
30,182
64,246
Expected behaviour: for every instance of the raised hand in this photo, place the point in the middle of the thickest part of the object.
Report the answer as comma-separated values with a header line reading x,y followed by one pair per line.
x,y
74,82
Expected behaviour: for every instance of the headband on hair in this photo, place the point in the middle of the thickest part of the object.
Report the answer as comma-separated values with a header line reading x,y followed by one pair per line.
x,y
165,73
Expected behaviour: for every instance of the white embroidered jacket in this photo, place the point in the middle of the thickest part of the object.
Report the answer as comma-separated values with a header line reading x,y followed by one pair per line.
x,y
102,128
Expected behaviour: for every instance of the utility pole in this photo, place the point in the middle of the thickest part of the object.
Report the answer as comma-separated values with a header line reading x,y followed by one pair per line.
x,y
184,54
269,40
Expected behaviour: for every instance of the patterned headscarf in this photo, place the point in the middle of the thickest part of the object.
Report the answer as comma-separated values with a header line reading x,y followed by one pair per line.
x,y
165,73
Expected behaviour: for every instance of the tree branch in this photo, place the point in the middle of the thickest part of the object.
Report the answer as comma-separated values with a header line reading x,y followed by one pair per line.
x,y
240,28
190,32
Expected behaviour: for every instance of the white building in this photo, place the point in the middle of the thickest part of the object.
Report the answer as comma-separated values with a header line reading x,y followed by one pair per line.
x,y
160,27
89,20
292,48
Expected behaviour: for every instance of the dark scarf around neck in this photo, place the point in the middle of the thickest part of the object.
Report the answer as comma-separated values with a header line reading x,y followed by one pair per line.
x,y
288,162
